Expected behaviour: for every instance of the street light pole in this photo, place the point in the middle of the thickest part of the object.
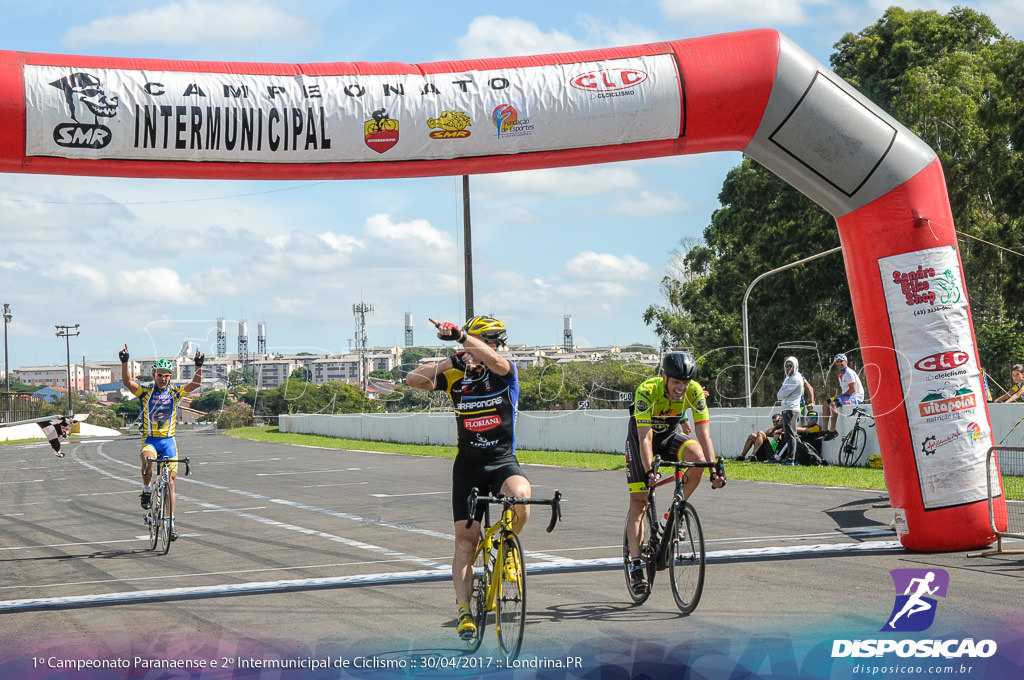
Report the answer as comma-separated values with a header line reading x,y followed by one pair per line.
x,y
7,368
65,332
746,295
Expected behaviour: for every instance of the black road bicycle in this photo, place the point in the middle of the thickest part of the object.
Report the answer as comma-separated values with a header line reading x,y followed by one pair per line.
x,y
851,448
159,517
676,544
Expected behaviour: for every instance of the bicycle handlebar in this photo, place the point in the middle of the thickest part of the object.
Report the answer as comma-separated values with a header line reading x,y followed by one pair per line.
x,y
717,467
555,502
168,461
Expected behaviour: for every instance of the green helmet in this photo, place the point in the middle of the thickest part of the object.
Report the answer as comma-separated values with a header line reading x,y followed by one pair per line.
x,y
163,365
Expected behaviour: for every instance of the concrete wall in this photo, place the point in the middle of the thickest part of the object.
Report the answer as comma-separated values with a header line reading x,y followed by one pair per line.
x,y
603,430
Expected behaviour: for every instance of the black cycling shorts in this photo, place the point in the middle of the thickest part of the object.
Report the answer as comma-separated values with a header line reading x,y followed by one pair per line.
x,y
667,446
487,475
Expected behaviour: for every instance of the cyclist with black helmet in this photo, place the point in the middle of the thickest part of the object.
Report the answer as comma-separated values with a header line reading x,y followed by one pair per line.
x,y
654,429
158,409
484,388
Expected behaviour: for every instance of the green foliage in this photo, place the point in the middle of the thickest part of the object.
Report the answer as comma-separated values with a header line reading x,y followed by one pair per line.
x,y
602,384
302,374
296,396
210,401
241,376
234,415
958,83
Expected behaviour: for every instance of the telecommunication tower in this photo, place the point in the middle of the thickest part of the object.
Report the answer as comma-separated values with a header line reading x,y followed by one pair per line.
x,y
243,343
567,333
222,338
261,338
408,330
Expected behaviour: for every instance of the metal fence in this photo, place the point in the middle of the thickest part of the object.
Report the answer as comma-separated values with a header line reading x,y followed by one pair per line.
x,y
1010,515
15,407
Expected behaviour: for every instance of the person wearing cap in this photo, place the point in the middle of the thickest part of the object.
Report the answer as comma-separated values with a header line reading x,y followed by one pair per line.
x,y
484,389
1016,385
654,429
158,410
851,391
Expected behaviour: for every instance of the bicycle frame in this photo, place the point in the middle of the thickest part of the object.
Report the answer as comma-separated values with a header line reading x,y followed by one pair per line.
x,y
663,548
159,517
493,557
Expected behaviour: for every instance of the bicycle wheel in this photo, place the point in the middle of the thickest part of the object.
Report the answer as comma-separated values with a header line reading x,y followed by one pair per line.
x,y
153,519
646,554
687,551
510,616
165,518
858,438
478,596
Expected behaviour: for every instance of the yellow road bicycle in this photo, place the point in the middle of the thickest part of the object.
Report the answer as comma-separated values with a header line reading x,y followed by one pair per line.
x,y
499,571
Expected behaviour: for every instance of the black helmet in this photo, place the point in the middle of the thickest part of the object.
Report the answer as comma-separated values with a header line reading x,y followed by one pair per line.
x,y
679,365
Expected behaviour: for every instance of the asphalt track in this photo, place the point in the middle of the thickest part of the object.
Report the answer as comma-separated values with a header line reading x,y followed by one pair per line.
x,y
299,554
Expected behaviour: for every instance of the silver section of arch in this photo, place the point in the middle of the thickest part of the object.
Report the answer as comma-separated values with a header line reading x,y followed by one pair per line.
x,y
828,140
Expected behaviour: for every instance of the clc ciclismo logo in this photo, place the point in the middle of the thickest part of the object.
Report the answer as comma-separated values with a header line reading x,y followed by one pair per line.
x,y
914,611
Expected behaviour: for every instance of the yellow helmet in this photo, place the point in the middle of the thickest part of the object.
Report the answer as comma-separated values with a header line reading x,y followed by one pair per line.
x,y
487,328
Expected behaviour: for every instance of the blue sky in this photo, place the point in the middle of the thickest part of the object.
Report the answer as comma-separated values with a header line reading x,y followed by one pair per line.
x,y
154,262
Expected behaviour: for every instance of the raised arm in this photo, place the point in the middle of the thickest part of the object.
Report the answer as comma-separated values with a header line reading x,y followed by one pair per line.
x,y
126,376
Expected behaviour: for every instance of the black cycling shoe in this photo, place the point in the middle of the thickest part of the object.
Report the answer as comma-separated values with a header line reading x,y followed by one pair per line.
x,y
144,499
638,578
174,533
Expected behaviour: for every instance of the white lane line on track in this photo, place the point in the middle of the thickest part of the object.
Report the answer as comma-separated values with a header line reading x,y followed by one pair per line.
x,y
304,472
263,520
403,495
419,576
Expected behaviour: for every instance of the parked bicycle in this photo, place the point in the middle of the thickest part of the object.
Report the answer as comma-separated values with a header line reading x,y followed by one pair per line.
x,y
675,542
499,580
160,516
851,448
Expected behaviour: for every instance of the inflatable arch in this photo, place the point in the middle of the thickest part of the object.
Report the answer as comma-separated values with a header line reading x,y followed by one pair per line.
x,y
754,91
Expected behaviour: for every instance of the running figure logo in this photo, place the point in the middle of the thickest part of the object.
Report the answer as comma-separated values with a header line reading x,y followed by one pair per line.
x,y
914,609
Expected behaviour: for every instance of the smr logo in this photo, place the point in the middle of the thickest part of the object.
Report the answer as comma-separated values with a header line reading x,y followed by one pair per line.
x,y
86,90
914,609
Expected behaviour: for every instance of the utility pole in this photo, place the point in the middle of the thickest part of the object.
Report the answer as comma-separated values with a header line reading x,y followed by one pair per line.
x,y
65,332
467,238
7,368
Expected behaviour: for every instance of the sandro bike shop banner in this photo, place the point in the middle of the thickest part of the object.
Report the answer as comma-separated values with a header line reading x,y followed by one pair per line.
x,y
941,378
237,117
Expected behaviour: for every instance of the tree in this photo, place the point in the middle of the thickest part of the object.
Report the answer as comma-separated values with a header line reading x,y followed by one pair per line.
x,y
954,80
958,82
302,374
241,376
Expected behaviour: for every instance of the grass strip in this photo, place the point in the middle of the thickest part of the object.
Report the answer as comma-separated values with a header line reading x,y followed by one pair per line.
x,y
855,478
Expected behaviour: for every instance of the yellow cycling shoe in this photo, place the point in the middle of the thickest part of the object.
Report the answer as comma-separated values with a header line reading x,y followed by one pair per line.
x,y
466,628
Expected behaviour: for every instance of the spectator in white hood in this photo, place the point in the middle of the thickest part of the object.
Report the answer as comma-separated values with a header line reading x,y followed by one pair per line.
x,y
790,394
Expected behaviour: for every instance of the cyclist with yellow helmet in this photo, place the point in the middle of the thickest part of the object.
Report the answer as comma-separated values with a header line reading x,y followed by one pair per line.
x,y
158,409
484,388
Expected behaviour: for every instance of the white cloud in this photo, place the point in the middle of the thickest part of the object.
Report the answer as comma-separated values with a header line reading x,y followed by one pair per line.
x,y
409,236
156,284
492,36
196,22
749,12
591,265
648,203
561,182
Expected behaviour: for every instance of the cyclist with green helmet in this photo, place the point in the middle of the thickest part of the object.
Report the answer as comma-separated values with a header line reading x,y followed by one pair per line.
x,y
158,409
484,388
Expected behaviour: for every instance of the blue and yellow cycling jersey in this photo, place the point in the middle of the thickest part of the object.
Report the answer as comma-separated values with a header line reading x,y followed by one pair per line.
x,y
159,409
652,408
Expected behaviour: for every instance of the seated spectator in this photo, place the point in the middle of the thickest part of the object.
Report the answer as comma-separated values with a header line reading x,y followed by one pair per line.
x,y
1017,388
763,443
